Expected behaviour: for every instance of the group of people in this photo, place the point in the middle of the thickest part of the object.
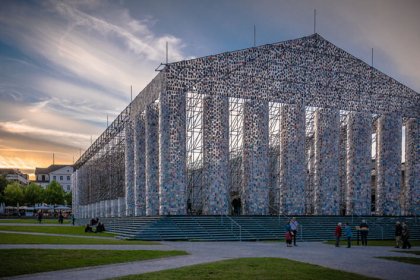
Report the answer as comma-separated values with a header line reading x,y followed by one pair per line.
x,y
348,234
402,234
95,226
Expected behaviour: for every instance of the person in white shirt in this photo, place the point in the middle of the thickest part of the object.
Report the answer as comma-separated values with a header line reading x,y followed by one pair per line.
x,y
294,227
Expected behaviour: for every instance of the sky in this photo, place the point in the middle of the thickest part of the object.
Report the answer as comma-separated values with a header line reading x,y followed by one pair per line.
x,y
67,66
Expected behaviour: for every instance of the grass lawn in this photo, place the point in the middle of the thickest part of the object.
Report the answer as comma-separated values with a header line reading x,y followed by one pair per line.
x,y
410,260
23,261
388,243
409,252
251,268
15,238
31,221
75,230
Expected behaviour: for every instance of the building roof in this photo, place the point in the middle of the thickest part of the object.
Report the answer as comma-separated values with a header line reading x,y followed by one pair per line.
x,y
50,168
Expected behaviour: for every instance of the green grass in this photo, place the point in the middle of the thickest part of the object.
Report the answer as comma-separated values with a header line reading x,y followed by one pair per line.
x,y
388,243
75,230
31,221
15,238
409,252
23,261
410,260
251,268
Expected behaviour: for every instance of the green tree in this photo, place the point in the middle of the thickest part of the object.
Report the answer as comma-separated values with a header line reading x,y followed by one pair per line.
x,y
33,193
68,198
3,184
54,193
13,194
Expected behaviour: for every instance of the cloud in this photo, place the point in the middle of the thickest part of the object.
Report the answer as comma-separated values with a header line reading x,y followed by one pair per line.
x,y
67,65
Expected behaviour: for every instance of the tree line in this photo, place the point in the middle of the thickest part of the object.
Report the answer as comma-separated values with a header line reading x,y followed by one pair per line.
x,y
13,193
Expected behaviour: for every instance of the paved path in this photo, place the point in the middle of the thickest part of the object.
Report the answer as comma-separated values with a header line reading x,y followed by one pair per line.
x,y
35,225
356,259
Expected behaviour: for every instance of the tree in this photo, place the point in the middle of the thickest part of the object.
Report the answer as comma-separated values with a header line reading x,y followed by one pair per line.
x,y
54,193
13,194
33,193
68,198
3,184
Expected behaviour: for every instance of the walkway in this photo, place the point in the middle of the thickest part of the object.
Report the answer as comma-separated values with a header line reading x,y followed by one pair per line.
x,y
361,260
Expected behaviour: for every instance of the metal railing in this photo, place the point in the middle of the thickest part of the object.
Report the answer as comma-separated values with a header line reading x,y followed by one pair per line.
x,y
232,224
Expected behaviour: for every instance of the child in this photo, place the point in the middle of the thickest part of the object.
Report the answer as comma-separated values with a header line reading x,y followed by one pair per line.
x,y
288,237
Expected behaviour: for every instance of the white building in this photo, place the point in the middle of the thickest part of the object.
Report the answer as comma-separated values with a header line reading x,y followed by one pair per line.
x,y
15,175
59,173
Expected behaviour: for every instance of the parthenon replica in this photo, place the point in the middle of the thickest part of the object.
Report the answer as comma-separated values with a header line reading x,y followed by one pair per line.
x,y
299,127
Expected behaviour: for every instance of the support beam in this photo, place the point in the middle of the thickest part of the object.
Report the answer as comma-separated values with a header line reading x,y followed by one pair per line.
x,y
388,164
139,166
292,159
172,147
411,193
255,190
152,159
326,176
129,169
216,155
359,150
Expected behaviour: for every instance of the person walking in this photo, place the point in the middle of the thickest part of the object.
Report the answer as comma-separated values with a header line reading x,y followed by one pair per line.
x,y
39,216
337,235
294,227
405,236
364,230
348,234
398,233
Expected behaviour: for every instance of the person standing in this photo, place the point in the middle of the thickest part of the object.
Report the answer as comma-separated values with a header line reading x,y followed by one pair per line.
x,y
337,235
348,233
39,216
294,227
405,236
364,230
398,233
288,235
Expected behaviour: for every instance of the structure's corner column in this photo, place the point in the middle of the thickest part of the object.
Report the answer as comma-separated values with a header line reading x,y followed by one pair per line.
x,y
326,177
388,164
129,169
255,189
411,194
172,148
358,151
139,166
216,155
152,159
75,193
292,160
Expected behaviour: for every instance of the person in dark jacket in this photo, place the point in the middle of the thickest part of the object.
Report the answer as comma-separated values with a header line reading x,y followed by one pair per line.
x,y
398,233
364,230
405,236
337,235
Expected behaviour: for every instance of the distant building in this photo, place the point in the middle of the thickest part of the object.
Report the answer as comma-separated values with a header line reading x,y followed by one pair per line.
x,y
59,173
15,175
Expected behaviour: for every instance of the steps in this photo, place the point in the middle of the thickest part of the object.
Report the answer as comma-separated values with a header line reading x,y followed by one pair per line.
x,y
235,228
